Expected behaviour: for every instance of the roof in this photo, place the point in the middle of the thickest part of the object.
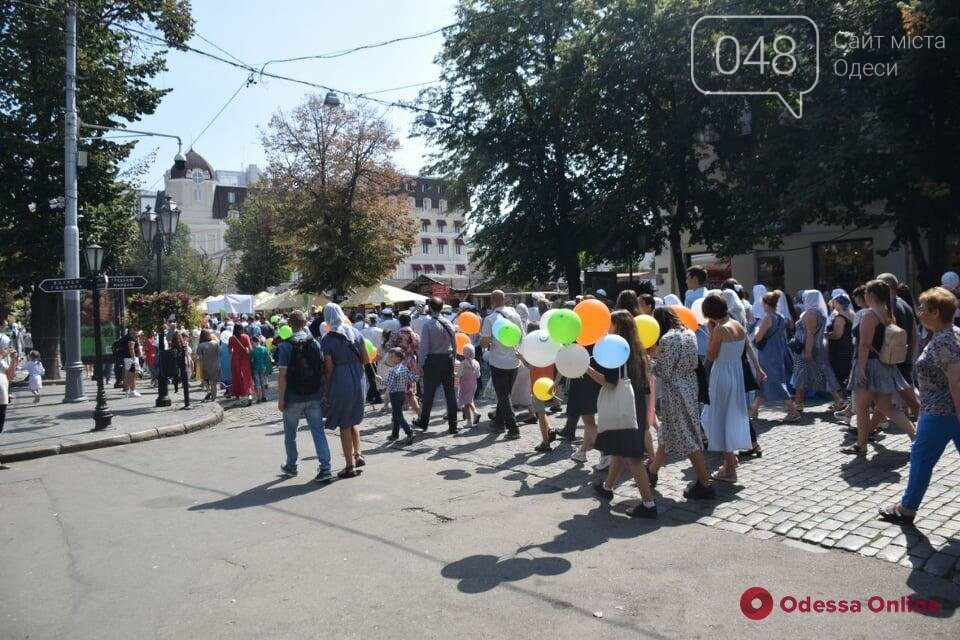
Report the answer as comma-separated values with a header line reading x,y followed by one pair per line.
x,y
221,200
194,161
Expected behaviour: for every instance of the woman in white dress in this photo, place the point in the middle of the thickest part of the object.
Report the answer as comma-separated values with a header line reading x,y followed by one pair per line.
x,y
725,419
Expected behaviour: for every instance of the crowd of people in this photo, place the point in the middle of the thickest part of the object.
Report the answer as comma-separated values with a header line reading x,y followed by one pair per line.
x,y
877,352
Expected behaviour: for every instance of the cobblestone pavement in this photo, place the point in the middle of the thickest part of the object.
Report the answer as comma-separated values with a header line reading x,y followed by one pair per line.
x,y
802,488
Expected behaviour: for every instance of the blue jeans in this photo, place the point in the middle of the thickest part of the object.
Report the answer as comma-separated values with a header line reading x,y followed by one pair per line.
x,y
312,411
933,434
397,400
259,379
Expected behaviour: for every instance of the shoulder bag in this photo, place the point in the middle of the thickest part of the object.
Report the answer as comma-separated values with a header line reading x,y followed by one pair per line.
x,y
616,408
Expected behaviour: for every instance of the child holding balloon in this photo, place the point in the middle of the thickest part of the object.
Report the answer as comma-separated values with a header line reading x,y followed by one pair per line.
x,y
468,373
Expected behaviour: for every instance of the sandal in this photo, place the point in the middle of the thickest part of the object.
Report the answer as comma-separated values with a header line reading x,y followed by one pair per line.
x,y
756,451
358,460
854,450
348,472
722,476
894,515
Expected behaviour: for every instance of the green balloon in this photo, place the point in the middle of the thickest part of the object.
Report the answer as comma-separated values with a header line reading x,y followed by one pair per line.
x,y
370,348
285,332
509,335
564,326
274,319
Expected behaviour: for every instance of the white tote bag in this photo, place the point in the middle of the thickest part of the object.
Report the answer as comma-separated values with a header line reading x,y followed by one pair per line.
x,y
616,408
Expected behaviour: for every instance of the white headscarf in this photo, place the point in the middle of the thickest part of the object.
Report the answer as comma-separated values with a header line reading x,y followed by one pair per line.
x,y
758,292
671,299
335,319
950,280
524,314
813,300
658,302
734,308
782,308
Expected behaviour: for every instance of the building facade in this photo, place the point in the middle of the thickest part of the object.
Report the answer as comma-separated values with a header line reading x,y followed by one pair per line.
x,y
440,250
207,198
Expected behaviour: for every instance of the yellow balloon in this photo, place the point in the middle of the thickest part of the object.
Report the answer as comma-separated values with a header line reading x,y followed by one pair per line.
x,y
648,330
543,389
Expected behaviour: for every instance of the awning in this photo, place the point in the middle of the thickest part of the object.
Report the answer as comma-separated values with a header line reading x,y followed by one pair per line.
x,y
440,267
425,221
378,294
458,241
426,240
230,303
293,300
441,241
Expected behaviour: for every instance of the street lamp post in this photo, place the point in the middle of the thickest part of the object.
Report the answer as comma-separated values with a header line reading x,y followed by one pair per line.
x,y
157,231
101,414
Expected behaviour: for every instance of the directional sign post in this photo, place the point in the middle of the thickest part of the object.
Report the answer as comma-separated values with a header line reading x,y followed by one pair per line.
x,y
101,415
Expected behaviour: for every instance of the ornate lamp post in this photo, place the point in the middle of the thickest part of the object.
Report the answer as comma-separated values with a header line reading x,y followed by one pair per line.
x,y
157,232
94,256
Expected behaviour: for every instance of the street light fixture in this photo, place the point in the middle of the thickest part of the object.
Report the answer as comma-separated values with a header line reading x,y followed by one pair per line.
x,y
331,99
157,232
428,120
102,417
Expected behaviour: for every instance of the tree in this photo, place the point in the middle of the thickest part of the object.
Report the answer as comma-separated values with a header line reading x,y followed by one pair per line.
x,y
113,73
263,260
330,179
184,269
510,135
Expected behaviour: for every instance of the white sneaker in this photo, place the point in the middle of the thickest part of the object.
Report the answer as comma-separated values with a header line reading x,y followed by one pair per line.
x,y
134,394
603,464
579,456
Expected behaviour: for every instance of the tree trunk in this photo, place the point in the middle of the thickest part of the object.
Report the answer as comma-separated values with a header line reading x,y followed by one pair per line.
x,y
45,313
676,254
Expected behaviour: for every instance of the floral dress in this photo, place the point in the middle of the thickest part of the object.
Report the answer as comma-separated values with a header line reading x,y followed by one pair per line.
x,y
817,374
409,342
676,370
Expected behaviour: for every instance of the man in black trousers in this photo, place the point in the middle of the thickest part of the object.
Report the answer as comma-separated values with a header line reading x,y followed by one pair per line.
x,y
437,349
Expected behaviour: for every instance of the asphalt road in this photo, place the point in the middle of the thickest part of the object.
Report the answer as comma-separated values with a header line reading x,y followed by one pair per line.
x,y
196,536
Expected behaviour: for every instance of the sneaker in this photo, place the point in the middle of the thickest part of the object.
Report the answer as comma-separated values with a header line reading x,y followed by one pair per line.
x,y
602,491
288,471
579,456
512,435
134,394
543,447
322,476
696,491
640,511
452,430
391,438
602,464
409,439
416,425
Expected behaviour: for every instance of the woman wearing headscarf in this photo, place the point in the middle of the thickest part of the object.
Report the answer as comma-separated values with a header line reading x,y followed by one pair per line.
x,y
840,336
524,314
344,358
812,368
757,308
671,299
774,356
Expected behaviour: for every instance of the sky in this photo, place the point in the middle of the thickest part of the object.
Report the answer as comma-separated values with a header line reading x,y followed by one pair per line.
x,y
254,32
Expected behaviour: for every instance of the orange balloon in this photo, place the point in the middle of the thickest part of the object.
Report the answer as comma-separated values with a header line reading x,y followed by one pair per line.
x,y
469,322
374,356
594,319
462,341
687,317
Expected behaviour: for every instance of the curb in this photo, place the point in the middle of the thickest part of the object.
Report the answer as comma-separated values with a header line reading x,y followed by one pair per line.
x,y
115,439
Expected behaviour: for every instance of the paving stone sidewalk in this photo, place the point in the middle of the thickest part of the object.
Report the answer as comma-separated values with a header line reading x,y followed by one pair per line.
x,y
52,427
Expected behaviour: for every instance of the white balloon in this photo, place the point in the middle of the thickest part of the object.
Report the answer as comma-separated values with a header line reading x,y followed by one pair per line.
x,y
697,308
545,317
538,349
572,361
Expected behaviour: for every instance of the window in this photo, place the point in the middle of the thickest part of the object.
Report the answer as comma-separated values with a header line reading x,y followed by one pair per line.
x,y
424,226
442,224
427,203
843,264
770,271
461,268
232,197
441,248
198,194
443,205
413,202
459,249
425,247
457,225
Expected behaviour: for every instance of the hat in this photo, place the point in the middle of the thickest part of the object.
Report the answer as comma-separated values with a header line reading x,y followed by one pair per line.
x,y
602,293
465,305
387,311
950,279
836,293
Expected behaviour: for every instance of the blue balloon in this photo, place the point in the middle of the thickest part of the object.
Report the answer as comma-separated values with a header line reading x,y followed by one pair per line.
x,y
611,351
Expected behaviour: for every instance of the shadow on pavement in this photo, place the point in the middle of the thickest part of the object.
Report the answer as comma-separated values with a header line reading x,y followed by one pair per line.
x,y
481,573
261,495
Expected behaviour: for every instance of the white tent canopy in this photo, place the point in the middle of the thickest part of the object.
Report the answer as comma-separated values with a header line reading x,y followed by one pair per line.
x,y
230,303
378,294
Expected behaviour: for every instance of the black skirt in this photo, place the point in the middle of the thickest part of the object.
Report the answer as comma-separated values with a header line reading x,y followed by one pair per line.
x,y
582,396
627,443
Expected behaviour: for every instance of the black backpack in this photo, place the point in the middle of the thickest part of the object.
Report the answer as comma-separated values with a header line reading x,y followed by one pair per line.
x,y
305,370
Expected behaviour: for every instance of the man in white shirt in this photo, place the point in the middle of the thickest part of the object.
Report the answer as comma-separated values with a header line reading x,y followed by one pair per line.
x,y
389,323
419,318
504,364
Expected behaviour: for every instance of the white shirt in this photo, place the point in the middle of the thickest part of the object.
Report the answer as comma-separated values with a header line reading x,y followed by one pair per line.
x,y
501,357
374,335
390,324
417,323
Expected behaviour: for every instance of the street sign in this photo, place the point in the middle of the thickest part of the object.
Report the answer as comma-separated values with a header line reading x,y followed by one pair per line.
x,y
54,285
440,290
127,282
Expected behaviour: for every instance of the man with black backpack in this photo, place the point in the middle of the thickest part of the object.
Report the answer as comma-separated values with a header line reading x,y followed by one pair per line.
x,y
301,395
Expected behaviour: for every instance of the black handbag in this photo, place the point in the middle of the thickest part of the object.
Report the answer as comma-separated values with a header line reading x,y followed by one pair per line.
x,y
749,380
703,383
795,345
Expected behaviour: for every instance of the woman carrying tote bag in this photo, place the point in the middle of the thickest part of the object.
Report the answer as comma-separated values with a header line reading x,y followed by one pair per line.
x,y
622,403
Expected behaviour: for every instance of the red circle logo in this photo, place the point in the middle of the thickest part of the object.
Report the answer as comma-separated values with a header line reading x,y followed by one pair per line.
x,y
756,603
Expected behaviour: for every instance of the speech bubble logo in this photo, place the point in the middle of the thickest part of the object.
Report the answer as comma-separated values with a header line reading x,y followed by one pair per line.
x,y
756,56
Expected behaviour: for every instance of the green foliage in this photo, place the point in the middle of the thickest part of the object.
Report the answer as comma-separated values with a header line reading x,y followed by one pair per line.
x,y
263,260
113,71
151,310
184,269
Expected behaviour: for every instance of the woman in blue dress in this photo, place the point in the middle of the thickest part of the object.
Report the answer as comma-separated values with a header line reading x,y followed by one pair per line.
x,y
725,419
812,371
344,358
772,351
